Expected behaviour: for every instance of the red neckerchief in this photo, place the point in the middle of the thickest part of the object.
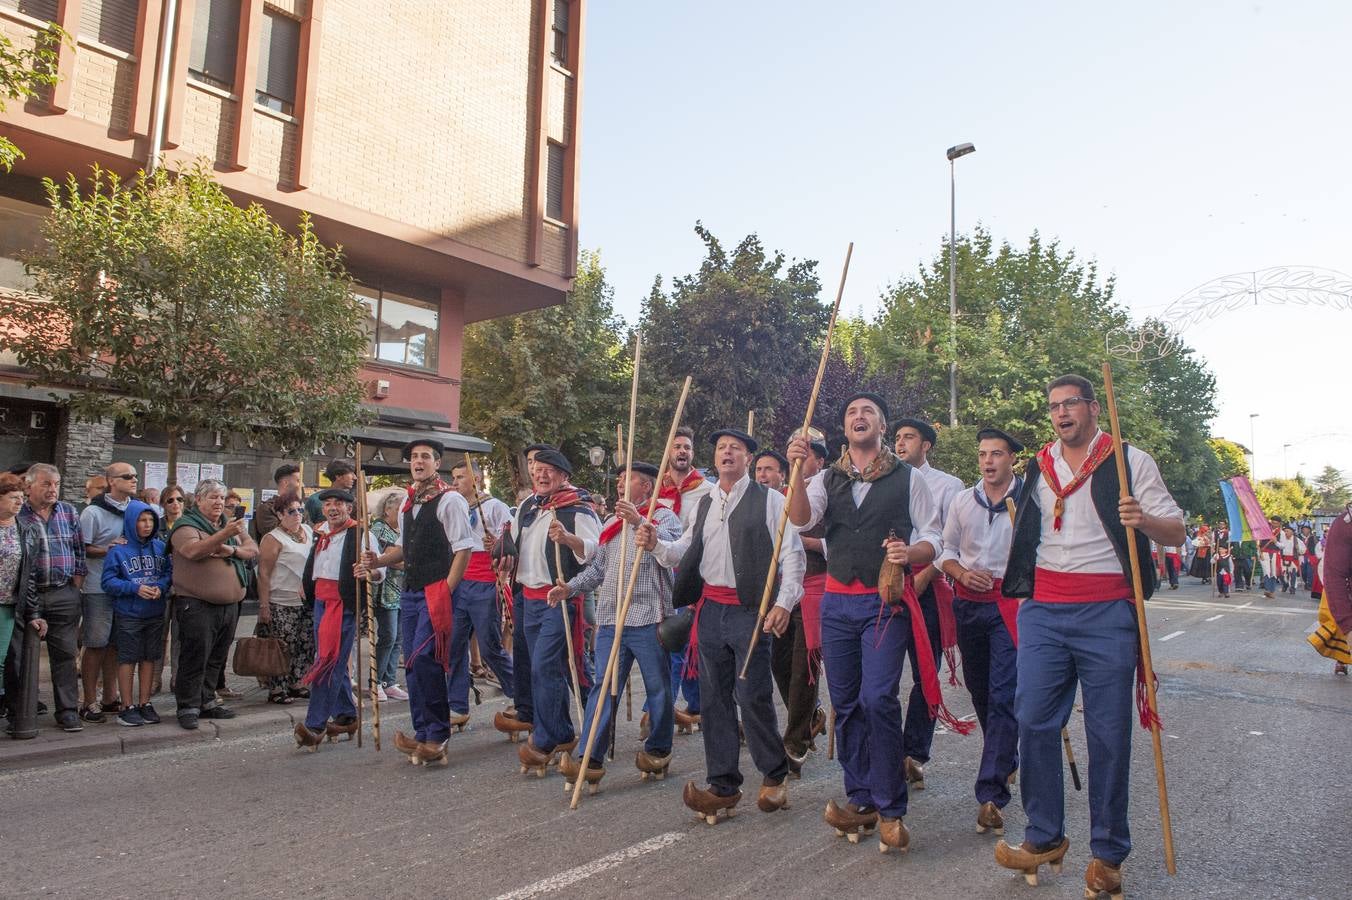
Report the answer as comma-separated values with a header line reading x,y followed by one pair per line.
x,y
561,498
421,492
1098,454
324,538
673,493
617,524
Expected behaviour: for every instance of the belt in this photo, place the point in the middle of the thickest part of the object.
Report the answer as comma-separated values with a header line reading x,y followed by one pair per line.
x,y
52,587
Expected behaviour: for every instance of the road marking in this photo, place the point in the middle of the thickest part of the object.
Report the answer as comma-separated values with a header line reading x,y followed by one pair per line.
x,y
1214,618
609,861
1245,605
1170,637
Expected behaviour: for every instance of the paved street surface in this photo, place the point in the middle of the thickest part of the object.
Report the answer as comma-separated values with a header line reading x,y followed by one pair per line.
x,y
1256,743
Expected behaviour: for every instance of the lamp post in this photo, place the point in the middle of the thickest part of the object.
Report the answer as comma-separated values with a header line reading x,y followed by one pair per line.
x,y
1253,448
953,153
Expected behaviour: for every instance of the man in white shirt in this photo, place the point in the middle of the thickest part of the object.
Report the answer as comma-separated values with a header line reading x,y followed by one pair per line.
x,y
1070,562
976,548
915,439
722,561
875,508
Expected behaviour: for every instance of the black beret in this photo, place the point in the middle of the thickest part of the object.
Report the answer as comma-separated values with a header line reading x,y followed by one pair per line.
x,y
926,430
819,448
436,446
777,457
551,457
336,494
873,398
996,434
641,468
533,447
739,434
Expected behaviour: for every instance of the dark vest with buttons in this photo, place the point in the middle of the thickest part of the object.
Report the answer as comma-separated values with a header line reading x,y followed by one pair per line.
x,y
854,534
751,546
427,553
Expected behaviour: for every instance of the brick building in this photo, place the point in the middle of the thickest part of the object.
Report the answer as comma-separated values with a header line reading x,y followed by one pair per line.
x,y
436,142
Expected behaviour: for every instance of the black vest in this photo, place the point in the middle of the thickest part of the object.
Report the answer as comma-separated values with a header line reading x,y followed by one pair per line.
x,y
751,543
349,588
1104,491
567,517
854,534
816,563
427,553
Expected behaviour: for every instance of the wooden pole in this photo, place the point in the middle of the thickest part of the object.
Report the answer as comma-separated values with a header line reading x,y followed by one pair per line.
x,y
628,460
1143,631
363,521
568,632
797,467
1070,758
478,503
751,422
622,604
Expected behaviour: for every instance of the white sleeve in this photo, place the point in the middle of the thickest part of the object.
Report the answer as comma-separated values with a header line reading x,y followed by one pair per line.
x,y
373,545
925,526
453,513
792,558
589,529
668,553
952,534
1147,485
816,498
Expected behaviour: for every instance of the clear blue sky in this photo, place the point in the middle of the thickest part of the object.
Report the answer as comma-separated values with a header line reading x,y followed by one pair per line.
x,y
1171,142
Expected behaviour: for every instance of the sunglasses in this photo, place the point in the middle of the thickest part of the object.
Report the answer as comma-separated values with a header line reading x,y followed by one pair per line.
x,y
129,476
294,512
173,500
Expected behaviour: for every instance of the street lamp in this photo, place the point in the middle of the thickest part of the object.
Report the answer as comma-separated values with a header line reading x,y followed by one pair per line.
x,y
953,153
1253,448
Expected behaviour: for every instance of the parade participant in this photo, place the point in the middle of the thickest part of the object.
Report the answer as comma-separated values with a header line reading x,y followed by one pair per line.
x,y
1270,559
722,561
475,602
556,513
1224,570
770,469
915,438
649,605
1201,561
1069,560
434,545
976,549
1172,564
1291,550
874,511
1309,559
795,658
1335,609
335,589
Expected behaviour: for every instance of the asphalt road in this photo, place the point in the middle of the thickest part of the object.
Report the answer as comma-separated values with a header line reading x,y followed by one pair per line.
x,y
1256,745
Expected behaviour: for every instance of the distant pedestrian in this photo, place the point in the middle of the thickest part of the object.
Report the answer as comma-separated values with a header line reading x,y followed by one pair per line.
x,y
287,479
137,577
385,529
341,474
20,544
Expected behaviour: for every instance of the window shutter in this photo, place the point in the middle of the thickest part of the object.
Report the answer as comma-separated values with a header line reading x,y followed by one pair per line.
x,y
110,22
280,57
554,183
215,39
38,9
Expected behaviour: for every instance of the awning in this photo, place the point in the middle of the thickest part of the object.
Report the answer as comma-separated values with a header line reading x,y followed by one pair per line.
x,y
377,440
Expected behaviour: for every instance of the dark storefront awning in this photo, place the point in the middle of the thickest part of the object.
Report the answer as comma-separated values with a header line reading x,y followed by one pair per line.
x,y
379,439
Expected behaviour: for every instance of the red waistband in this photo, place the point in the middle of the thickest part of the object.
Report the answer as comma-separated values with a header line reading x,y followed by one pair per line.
x,y
326,590
1173,556
966,593
724,595
540,593
854,587
480,567
1289,559
1051,586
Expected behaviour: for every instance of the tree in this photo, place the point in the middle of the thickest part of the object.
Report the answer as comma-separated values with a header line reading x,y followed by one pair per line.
x,y
558,375
1231,458
1286,498
24,72
1334,489
743,325
165,306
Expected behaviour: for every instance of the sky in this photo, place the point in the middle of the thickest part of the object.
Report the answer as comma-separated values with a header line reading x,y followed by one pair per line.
x,y
1172,143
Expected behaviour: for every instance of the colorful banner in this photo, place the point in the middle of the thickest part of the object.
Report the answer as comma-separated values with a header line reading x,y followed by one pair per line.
x,y
1239,526
1246,516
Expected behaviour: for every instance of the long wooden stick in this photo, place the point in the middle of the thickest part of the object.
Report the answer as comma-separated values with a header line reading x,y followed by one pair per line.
x,y
1143,631
622,606
751,422
478,502
363,525
629,461
568,633
1070,758
797,467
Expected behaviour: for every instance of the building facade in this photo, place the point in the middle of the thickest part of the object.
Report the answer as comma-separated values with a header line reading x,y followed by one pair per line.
x,y
436,142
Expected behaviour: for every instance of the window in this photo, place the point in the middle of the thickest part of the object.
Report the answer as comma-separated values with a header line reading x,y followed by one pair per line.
x,y
110,22
20,235
38,9
561,32
554,182
215,41
402,330
278,62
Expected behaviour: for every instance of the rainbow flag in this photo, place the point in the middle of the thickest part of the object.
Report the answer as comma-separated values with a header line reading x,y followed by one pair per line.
x,y
1247,522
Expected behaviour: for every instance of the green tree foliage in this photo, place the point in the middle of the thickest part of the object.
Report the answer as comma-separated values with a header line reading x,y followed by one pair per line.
x,y
1028,315
1286,498
558,375
1231,458
1335,491
743,325
24,72
167,307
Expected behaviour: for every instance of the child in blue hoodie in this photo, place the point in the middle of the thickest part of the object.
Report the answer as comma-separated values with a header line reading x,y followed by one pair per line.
x,y
137,575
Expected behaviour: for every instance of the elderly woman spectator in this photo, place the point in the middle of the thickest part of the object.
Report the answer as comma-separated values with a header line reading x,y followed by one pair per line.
x,y
20,543
281,613
385,529
210,553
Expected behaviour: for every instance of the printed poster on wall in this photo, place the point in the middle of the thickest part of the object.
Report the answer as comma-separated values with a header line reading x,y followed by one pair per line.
x,y
188,476
212,470
157,475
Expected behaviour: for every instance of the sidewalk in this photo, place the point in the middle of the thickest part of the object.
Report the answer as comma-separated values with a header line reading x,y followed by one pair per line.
x,y
254,715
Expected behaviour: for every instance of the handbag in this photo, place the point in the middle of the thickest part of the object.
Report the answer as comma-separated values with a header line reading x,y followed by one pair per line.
x,y
261,657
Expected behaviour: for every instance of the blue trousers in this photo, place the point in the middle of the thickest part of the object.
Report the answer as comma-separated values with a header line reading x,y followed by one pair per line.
x,y
550,681
475,608
333,696
918,732
427,696
387,641
637,644
989,665
724,635
863,658
1060,644
521,671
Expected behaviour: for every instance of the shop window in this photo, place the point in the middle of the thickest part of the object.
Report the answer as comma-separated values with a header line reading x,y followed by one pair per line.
x,y
402,330
215,43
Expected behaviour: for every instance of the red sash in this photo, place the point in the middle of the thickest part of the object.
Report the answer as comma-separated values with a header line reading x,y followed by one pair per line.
x,y
480,567
330,638
1050,586
1009,606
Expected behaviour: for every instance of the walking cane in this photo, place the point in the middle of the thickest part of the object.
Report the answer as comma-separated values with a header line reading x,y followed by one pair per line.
x,y
363,520
1148,670
797,468
1070,758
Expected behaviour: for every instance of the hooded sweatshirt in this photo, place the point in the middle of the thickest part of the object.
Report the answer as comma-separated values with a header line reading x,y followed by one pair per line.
x,y
135,563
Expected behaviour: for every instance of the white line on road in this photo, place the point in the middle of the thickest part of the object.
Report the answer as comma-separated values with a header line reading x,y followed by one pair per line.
x,y
1170,637
1245,605
1214,618
587,870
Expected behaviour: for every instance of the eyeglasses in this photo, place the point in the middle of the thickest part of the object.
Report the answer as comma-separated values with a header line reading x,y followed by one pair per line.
x,y
1069,404
293,512
172,500
126,476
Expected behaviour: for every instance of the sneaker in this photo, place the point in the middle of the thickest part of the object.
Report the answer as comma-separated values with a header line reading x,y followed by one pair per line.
x,y
217,712
187,720
131,717
395,692
380,694
92,713
69,721
149,715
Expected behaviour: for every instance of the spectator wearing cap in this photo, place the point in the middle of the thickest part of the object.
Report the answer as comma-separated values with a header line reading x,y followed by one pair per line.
x,y
556,514
771,469
342,474
61,572
434,545
287,479
915,438
210,554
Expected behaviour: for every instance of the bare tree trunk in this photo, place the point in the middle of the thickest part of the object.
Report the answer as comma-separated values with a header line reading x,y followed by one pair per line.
x,y
171,453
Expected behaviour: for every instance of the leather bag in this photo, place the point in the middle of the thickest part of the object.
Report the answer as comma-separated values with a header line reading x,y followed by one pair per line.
x,y
261,657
